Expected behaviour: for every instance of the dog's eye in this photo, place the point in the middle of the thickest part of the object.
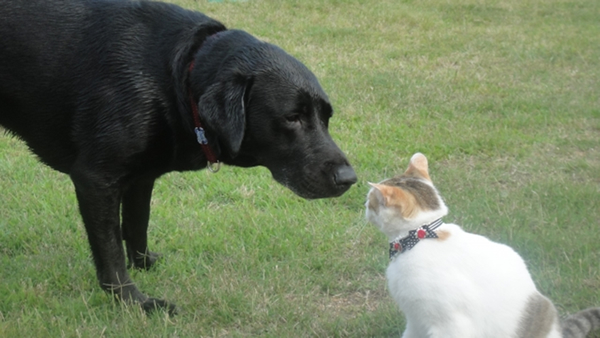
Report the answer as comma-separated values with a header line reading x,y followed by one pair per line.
x,y
294,118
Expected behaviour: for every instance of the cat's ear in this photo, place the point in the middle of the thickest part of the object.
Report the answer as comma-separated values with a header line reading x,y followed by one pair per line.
x,y
418,167
376,196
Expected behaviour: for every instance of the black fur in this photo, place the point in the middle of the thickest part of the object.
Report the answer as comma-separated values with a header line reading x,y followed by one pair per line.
x,y
99,90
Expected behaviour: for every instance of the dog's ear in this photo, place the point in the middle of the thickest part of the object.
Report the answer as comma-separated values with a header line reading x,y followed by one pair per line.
x,y
223,109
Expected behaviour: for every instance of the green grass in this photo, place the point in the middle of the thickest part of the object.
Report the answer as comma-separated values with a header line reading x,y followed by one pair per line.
x,y
502,96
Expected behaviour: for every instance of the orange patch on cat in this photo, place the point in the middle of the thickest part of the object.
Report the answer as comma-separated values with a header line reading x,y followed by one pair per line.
x,y
403,201
442,235
394,197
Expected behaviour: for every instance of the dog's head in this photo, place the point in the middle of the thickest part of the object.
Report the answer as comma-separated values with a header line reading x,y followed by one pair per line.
x,y
266,108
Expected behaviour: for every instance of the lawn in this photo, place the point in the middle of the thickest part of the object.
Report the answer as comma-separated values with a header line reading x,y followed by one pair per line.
x,y
502,96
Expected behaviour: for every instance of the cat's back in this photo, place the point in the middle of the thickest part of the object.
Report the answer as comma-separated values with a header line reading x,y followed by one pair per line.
x,y
463,274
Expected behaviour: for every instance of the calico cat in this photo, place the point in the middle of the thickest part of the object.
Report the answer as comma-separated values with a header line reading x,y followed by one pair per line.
x,y
454,284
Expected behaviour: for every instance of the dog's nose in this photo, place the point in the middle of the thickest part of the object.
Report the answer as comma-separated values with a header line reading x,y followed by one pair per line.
x,y
344,175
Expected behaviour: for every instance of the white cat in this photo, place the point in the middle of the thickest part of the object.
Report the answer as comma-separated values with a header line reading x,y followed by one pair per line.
x,y
453,284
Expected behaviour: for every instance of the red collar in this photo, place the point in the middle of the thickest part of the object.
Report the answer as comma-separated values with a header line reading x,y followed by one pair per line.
x,y
213,163
400,245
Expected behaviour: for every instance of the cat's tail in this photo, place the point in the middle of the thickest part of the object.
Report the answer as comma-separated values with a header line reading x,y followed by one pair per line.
x,y
578,325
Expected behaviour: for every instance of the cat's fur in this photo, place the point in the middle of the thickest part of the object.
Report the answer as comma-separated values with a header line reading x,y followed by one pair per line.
x,y
460,285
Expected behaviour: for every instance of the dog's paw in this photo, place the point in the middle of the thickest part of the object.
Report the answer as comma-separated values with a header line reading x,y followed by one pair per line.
x,y
143,261
152,305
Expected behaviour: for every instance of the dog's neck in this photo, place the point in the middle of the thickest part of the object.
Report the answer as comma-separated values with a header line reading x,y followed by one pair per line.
x,y
213,162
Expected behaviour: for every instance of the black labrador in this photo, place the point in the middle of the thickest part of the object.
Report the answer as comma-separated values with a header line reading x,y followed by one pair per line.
x,y
116,93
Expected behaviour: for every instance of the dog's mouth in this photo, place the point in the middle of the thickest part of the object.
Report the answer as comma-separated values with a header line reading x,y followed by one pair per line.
x,y
312,183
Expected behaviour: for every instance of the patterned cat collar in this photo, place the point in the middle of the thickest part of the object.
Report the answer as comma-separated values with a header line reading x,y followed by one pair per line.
x,y
400,245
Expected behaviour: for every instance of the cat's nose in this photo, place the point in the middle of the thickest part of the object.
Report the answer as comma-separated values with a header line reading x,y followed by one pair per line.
x,y
344,175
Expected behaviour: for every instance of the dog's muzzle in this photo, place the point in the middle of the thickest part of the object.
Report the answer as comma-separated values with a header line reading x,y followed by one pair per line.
x,y
318,182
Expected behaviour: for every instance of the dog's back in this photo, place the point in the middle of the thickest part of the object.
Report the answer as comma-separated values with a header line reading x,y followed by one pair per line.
x,y
36,58
62,59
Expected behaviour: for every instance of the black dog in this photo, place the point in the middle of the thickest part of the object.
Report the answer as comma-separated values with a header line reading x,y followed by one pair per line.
x,y
116,93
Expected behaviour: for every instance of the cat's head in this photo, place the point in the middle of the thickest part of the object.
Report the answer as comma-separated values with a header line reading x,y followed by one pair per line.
x,y
405,202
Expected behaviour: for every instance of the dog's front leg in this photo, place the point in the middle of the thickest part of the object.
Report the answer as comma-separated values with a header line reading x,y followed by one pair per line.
x,y
99,200
136,213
